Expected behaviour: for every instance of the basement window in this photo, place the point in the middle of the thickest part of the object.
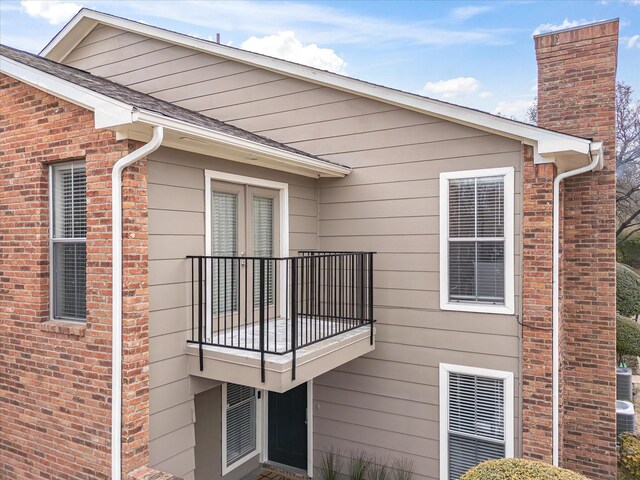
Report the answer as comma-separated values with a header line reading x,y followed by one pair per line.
x,y
239,425
68,242
476,418
476,240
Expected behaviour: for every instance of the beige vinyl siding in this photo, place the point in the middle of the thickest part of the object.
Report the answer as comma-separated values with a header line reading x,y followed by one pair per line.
x,y
386,403
176,229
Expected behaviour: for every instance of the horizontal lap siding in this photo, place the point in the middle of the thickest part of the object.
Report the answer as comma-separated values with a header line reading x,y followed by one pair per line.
x,y
386,403
176,229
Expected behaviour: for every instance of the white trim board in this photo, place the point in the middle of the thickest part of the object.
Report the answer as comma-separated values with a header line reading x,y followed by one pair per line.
x,y
509,241
509,419
547,144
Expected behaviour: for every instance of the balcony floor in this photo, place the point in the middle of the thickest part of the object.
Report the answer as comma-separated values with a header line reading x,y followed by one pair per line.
x,y
236,365
278,335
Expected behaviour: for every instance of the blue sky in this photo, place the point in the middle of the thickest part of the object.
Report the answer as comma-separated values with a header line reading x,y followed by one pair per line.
x,y
473,53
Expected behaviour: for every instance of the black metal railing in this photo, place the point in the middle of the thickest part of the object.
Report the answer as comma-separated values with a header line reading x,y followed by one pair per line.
x,y
273,305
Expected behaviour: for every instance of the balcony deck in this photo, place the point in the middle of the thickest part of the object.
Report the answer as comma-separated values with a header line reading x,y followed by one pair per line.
x,y
238,365
243,328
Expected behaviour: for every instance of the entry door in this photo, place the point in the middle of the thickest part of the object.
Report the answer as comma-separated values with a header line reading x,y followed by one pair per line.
x,y
288,427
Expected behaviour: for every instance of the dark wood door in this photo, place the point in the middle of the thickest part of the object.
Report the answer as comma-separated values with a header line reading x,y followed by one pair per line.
x,y
288,427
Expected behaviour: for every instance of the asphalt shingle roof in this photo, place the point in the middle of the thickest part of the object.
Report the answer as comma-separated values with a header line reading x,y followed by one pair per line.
x,y
140,100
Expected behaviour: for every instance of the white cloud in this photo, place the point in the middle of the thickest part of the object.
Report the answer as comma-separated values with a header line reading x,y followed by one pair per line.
x,y
465,13
566,23
315,23
285,45
513,109
53,11
631,42
455,87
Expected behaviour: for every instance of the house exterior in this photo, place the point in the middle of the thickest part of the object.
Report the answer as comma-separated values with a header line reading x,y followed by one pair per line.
x,y
197,240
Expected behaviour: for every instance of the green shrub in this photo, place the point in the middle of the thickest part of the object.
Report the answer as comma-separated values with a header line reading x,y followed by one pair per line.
x,y
627,291
359,465
629,455
330,464
627,337
378,469
403,469
519,469
628,252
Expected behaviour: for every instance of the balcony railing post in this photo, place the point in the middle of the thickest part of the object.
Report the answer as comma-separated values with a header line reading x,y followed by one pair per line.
x,y
371,296
200,312
294,315
262,306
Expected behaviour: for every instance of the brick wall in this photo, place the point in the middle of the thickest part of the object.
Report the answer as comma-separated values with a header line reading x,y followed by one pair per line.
x,y
55,386
576,95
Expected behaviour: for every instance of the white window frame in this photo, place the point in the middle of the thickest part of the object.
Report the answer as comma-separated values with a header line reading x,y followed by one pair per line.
x,y
509,261
258,450
52,241
506,377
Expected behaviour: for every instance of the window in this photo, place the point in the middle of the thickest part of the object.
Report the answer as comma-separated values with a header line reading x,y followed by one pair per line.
x,y
476,240
476,418
68,208
239,425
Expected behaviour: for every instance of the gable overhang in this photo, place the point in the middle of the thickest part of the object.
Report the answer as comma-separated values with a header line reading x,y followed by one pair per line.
x,y
137,124
566,151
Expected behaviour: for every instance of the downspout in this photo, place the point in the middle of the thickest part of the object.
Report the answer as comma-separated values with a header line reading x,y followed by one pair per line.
x,y
116,333
596,161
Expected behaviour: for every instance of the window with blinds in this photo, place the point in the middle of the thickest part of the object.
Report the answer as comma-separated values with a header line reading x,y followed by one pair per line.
x,y
477,418
476,240
68,240
241,438
477,216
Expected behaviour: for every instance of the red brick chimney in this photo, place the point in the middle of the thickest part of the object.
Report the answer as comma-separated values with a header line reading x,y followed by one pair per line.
x,y
576,95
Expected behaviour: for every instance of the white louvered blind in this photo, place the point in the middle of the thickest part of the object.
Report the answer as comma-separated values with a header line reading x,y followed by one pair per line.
x,y
68,238
262,218
476,428
224,226
241,421
476,240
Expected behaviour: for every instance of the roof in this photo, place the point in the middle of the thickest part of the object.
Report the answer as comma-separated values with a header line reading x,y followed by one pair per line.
x,y
137,99
549,146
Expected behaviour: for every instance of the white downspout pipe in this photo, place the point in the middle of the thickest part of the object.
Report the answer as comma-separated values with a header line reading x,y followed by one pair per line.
x,y
596,160
116,333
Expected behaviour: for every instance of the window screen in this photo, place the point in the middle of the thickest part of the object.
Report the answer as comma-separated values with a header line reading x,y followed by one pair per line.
x,y
68,238
241,421
476,430
476,240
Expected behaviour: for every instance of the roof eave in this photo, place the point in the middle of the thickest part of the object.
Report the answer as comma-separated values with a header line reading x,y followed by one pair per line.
x,y
113,114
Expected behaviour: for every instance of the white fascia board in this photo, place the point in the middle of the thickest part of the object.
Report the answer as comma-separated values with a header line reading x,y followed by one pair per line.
x,y
547,142
250,147
107,111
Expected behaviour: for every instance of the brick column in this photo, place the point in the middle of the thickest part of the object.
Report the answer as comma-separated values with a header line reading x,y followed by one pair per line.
x,y
576,95
537,308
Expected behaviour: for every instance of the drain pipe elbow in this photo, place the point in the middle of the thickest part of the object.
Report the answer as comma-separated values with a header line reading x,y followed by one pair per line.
x,y
597,160
116,296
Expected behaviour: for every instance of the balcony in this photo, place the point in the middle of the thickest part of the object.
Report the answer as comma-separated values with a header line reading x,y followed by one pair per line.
x,y
274,323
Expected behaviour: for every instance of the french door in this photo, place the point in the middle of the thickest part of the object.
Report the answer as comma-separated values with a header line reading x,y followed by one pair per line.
x,y
244,223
